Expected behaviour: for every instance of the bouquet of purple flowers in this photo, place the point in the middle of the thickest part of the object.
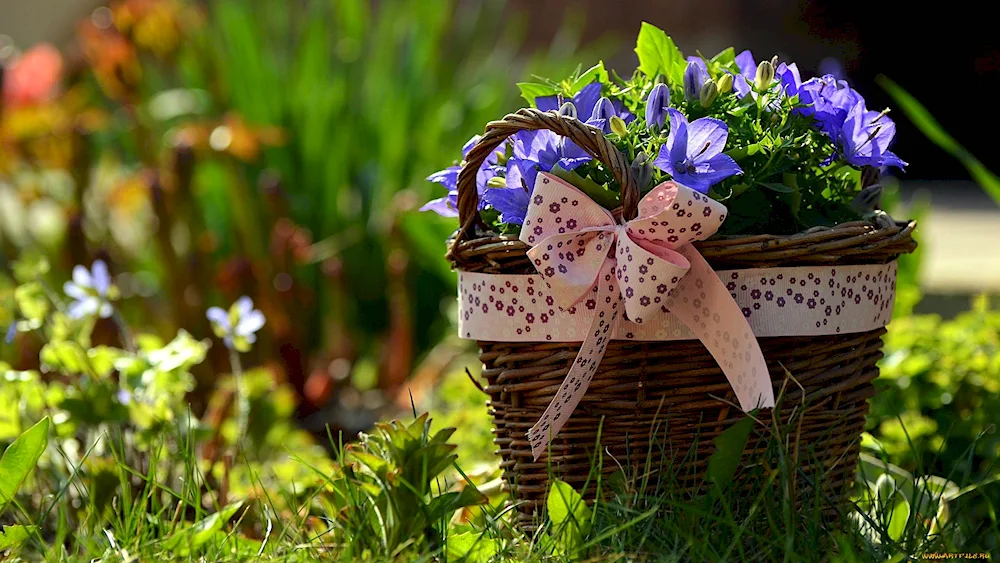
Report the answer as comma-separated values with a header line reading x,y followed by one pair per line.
x,y
781,153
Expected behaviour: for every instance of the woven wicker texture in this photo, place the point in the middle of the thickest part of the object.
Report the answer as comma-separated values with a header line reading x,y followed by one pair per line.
x,y
672,386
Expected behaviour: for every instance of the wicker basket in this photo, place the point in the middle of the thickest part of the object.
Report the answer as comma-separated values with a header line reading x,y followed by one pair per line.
x,y
639,383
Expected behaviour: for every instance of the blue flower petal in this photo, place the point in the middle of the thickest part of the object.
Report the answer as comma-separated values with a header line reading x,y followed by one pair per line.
x,y
443,206
81,277
101,277
706,138
512,203
250,324
83,308
74,291
219,316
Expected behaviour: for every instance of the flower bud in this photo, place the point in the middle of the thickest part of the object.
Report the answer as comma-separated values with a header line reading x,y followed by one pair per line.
x,y
656,106
567,110
765,75
694,77
709,91
725,83
496,182
642,170
618,126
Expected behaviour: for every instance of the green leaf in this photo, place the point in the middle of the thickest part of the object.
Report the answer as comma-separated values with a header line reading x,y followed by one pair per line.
x,y
32,301
897,519
596,73
471,547
930,127
729,446
725,57
13,536
65,357
30,267
199,533
658,54
19,460
532,90
567,508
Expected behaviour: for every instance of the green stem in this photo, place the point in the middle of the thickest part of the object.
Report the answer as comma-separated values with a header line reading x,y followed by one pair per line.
x,y
242,400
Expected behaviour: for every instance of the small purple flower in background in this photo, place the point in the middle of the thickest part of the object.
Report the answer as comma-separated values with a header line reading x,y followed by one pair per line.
x,y
124,397
828,100
865,137
656,106
693,155
91,291
695,76
447,206
237,327
11,332
743,82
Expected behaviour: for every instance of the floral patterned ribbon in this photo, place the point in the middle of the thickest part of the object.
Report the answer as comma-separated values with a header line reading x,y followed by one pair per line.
x,y
646,267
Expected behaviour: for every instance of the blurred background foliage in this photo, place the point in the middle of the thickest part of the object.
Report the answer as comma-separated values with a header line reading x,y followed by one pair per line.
x,y
212,150
208,150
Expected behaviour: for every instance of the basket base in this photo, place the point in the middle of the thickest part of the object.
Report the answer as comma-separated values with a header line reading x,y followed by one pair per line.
x,y
659,405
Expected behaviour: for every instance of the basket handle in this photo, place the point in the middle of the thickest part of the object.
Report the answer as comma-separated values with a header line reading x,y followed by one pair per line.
x,y
588,137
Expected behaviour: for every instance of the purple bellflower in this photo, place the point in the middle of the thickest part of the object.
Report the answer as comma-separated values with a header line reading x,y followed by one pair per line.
x,y
447,206
743,82
533,152
828,100
657,105
788,76
693,154
695,76
865,137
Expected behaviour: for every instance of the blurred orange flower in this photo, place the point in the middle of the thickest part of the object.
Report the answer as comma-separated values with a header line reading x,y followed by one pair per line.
x,y
154,25
112,57
32,78
232,135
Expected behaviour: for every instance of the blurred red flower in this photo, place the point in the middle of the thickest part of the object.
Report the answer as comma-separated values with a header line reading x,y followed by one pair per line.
x,y
33,77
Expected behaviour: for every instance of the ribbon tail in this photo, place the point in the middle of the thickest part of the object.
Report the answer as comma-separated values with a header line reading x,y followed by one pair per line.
x,y
704,304
575,385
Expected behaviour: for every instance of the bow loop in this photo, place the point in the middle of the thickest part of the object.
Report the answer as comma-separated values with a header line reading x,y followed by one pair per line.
x,y
558,208
672,215
570,263
646,273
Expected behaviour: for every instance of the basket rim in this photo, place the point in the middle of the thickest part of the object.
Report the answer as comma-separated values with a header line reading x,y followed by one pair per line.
x,y
856,242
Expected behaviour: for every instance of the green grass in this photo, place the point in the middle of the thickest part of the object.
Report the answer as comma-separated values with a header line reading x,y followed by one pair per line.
x,y
396,495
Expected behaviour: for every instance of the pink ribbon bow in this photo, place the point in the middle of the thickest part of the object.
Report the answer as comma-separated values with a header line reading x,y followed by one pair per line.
x,y
647,265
